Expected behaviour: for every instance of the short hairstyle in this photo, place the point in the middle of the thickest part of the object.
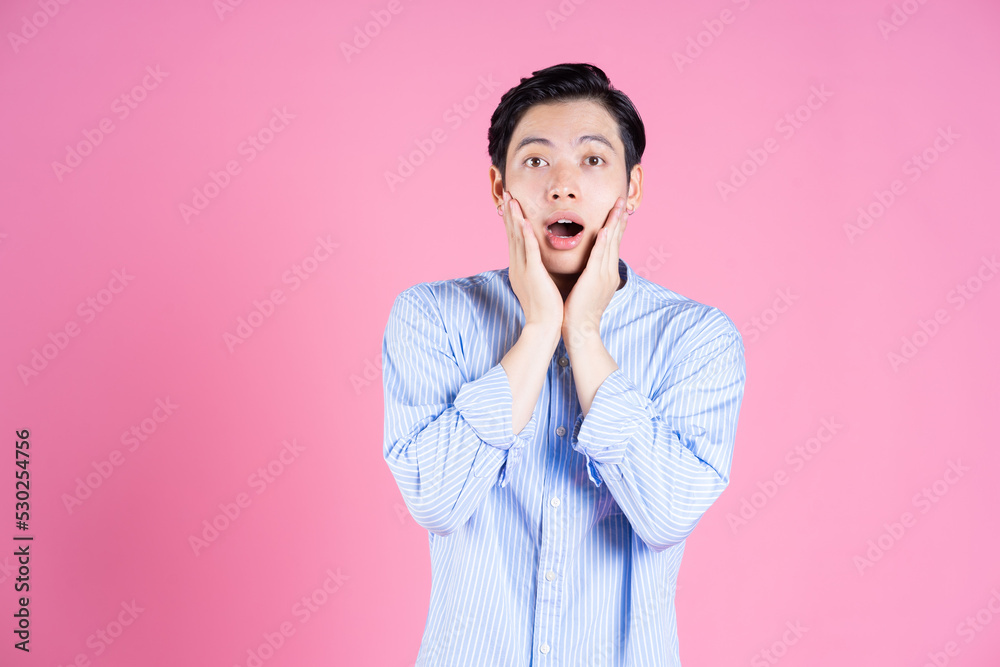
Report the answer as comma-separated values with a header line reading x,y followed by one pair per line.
x,y
563,83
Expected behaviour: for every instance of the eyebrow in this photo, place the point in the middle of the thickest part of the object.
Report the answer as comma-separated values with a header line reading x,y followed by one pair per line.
x,y
600,138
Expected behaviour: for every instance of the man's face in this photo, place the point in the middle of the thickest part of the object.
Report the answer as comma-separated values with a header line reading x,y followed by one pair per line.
x,y
567,161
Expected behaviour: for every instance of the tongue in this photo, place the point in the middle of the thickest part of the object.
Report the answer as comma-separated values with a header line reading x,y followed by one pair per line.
x,y
564,228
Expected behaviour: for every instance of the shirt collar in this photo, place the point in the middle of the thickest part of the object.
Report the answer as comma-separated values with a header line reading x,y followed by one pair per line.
x,y
621,295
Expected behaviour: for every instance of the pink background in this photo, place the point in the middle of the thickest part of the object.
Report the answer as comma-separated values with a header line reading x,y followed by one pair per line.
x,y
309,373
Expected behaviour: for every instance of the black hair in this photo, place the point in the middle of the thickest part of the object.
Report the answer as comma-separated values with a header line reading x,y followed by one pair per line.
x,y
559,83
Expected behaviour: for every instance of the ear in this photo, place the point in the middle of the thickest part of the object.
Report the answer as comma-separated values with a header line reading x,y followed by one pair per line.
x,y
496,186
634,189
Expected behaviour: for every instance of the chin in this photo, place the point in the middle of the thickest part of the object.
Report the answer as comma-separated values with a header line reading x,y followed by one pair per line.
x,y
565,265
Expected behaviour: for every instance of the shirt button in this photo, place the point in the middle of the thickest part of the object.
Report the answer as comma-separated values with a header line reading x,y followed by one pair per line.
x,y
544,648
554,502
550,575
560,431
563,361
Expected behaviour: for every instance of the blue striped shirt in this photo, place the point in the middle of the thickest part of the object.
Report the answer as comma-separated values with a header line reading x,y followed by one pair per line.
x,y
558,545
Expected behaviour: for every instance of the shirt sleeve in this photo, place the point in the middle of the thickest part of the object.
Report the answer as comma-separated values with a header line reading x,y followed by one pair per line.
x,y
666,458
448,438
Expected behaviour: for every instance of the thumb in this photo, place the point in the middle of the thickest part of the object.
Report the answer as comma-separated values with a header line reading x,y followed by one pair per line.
x,y
531,251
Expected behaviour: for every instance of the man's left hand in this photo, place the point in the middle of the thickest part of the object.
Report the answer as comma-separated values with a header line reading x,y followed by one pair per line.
x,y
593,290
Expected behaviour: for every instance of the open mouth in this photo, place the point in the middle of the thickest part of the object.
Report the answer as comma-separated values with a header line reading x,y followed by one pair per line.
x,y
564,234
564,229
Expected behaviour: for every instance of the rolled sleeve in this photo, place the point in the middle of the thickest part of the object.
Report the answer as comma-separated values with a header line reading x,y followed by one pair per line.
x,y
616,413
485,404
666,458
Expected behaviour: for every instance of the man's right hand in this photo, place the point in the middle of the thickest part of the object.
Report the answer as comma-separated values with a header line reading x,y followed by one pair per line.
x,y
527,362
533,286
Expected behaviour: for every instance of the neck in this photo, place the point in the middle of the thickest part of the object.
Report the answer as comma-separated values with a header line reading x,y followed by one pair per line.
x,y
566,282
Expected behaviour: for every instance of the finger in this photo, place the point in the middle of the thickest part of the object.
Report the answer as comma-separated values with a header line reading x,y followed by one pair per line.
x,y
625,216
596,261
531,252
508,227
623,221
596,258
517,220
612,216
515,224
529,244
610,262
502,207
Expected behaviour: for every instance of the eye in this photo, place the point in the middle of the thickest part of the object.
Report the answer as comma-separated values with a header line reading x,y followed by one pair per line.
x,y
533,158
595,157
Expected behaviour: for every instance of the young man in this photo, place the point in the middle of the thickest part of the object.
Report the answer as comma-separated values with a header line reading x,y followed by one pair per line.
x,y
559,426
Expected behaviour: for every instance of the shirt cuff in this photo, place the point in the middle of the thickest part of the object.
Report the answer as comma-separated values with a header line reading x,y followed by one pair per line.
x,y
485,404
616,413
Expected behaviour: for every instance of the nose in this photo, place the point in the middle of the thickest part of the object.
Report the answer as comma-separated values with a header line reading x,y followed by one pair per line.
x,y
563,184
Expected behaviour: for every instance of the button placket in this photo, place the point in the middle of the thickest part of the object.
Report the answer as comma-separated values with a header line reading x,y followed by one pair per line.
x,y
548,594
